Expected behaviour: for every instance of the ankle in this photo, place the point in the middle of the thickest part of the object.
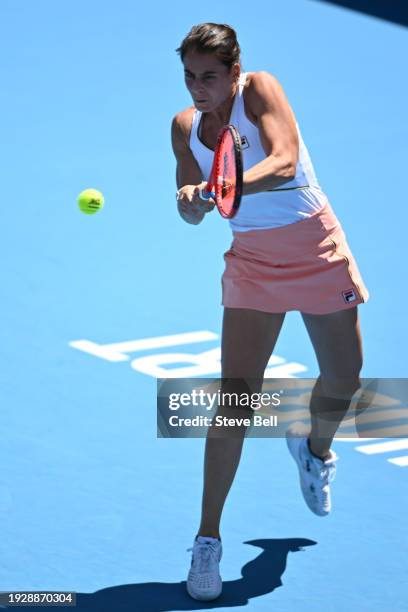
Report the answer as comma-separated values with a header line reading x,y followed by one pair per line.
x,y
322,457
208,533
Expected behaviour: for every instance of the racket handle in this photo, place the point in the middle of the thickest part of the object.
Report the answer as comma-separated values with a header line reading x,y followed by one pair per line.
x,y
206,195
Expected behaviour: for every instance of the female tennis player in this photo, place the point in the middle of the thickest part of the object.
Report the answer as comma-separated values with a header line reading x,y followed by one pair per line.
x,y
289,252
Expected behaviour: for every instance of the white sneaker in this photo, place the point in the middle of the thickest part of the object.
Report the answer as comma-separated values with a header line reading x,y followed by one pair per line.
x,y
204,580
314,473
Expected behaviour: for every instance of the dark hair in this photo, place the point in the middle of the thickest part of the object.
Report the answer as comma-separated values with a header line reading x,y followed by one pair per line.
x,y
217,38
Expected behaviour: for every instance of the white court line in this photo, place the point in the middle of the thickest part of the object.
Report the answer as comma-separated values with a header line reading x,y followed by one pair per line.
x,y
285,371
117,350
401,461
383,447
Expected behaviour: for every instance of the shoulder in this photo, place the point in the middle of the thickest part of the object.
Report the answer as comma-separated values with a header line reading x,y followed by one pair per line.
x,y
261,82
262,89
181,125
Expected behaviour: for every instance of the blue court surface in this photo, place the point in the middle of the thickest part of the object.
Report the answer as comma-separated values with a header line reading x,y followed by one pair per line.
x,y
95,308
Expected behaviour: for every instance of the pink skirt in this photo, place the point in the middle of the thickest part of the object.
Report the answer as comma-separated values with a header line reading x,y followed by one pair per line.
x,y
305,266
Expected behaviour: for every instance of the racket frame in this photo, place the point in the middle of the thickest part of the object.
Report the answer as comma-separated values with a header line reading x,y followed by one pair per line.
x,y
215,183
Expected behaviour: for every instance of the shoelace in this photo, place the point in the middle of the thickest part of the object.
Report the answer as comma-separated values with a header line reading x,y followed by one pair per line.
x,y
327,474
205,554
328,470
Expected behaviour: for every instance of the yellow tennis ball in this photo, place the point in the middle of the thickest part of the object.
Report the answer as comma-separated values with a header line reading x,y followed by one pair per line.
x,y
90,201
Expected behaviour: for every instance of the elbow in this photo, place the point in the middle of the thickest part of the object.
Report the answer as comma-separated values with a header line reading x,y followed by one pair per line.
x,y
189,218
192,220
288,170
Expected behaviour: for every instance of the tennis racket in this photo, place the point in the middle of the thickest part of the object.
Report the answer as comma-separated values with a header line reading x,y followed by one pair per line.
x,y
224,184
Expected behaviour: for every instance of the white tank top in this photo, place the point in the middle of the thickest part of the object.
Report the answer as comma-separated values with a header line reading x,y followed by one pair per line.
x,y
295,200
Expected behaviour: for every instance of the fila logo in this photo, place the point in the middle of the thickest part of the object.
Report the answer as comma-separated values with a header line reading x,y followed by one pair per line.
x,y
244,142
349,295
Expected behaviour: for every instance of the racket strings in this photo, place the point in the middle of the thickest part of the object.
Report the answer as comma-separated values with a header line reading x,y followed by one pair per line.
x,y
228,186
226,177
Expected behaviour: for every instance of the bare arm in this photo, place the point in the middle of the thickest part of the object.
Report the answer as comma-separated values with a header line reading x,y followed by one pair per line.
x,y
188,174
277,130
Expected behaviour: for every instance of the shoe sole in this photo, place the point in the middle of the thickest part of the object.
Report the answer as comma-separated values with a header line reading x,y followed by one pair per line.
x,y
203,597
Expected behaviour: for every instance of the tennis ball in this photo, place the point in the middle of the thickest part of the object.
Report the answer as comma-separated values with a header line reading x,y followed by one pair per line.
x,y
90,201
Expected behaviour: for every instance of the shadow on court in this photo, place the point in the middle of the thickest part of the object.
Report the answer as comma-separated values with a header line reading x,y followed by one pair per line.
x,y
260,576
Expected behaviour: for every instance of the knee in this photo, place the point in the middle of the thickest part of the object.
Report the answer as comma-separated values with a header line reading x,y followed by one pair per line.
x,y
342,378
339,386
233,383
236,395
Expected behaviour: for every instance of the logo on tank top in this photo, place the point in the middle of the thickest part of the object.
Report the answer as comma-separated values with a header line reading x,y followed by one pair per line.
x,y
244,142
349,295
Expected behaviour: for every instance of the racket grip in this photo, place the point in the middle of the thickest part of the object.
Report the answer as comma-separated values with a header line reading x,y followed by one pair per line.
x,y
206,195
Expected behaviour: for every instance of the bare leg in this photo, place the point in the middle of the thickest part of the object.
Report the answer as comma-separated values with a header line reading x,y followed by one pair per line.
x,y
248,339
337,342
